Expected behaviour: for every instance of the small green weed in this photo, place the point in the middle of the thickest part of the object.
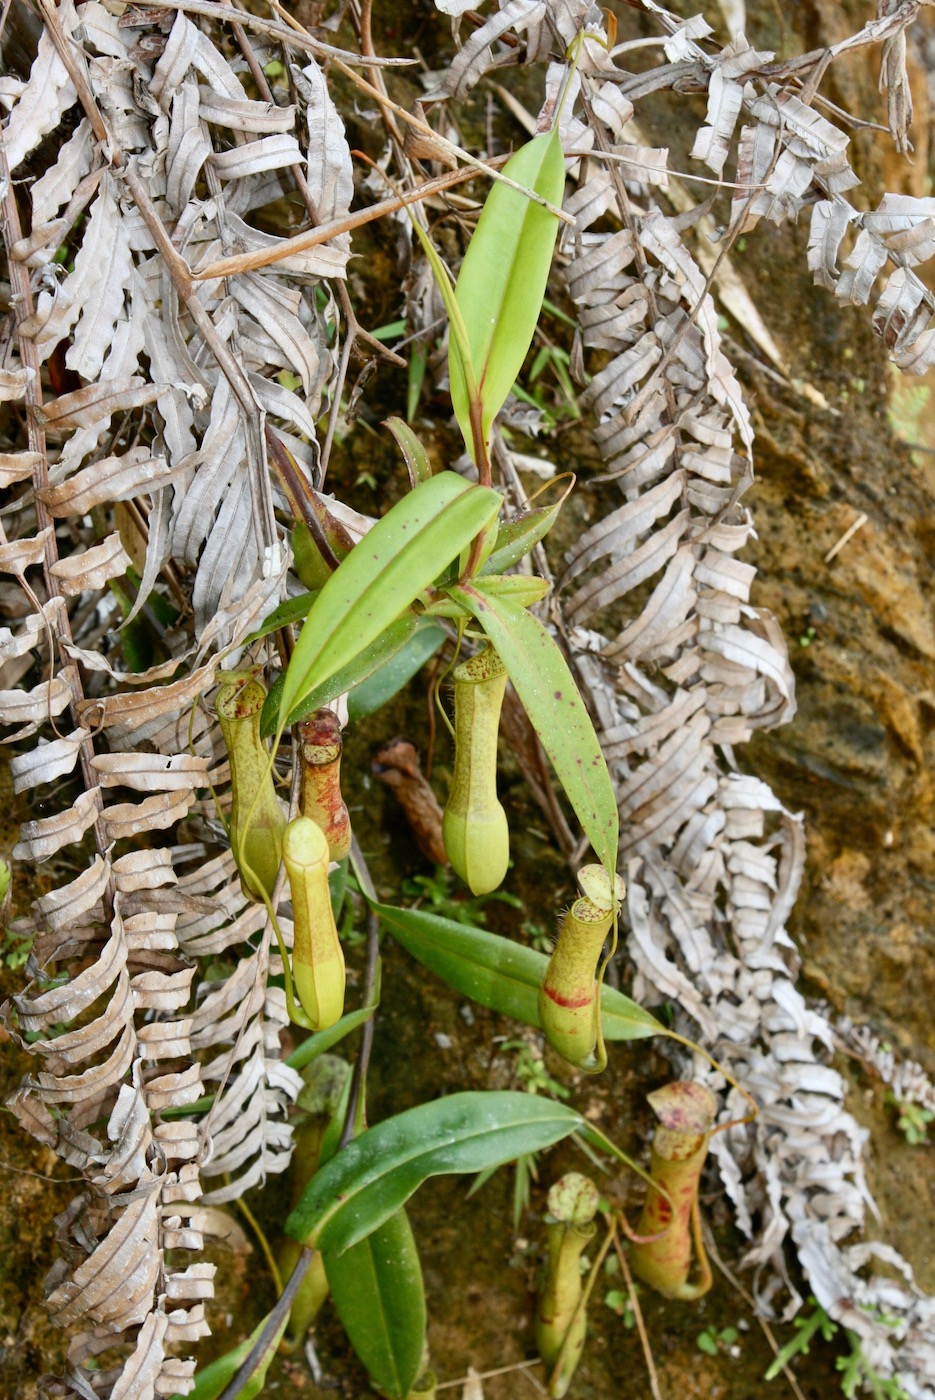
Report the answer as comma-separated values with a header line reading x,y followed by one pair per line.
x,y
537,936
912,1120
857,1374
712,1342
436,892
619,1302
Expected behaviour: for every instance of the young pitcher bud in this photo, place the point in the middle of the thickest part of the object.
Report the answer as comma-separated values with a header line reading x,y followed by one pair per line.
x,y
317,956
686,1113
568,997
257,817
474,826
561,1321
320,772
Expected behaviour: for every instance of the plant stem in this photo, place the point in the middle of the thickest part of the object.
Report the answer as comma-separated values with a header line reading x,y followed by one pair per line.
x,y
359,866
257,1229
273,1323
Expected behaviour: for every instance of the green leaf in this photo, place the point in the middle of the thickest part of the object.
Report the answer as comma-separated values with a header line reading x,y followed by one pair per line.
x,y
394,562
292,610
523,589
378,1292
365,664
369,1179
415,455
500,974
321,1041
211,1380
550,697
503,279
390,678
418,364
459,348
516,538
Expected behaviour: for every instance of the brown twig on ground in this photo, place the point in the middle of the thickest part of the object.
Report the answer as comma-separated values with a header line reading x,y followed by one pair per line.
x,y
735,1283
638,1318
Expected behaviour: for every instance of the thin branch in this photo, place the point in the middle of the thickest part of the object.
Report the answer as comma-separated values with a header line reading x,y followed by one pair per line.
x,y
311,238
371,973
767,1330
638,1318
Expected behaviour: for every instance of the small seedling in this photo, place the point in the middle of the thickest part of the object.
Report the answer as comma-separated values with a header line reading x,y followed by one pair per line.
x,y
619,1302
531,1072
712,1342
15,950
436,892
537,936
912,1120
806,1328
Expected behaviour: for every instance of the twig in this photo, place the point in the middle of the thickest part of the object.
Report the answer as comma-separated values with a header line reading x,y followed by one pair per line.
x,y
311,238
767,1330
638,1318
362,1062
364,16
848,535
273,1323
488,1375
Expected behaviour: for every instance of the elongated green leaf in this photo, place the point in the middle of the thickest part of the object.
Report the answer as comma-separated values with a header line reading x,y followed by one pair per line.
x,y
459,346
369,1179
382,575
365,664
523,589
516,538
211,1380
556,711
416,457
377,1289
292,610
503,278
321,1041
499,973
390,678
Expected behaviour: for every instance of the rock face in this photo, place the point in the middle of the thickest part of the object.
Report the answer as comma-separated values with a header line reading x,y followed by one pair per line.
x,y
858,757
